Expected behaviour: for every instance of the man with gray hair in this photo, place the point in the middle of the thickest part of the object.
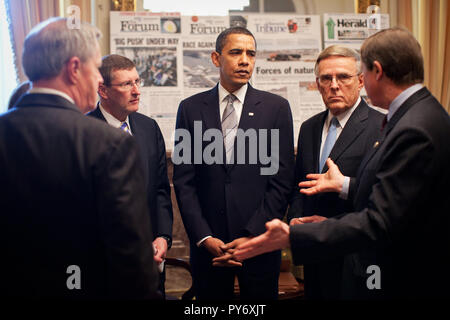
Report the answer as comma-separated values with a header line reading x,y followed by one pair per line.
x,y
74,218
345,131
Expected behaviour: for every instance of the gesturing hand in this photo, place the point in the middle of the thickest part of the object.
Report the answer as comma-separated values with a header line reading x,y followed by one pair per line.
x,y
330,181
275,238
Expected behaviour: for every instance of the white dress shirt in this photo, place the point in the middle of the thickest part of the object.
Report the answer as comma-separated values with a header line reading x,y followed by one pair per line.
x,y
111,120
237,104
51,91
341,118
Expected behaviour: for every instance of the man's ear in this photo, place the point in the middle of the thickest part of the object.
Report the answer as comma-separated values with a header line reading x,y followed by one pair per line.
x,y
360,81
378,68
215,58
102,91
73,70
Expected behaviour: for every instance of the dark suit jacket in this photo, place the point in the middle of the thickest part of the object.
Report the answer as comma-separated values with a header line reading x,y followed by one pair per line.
x,y
232,201
69,196
357,137
153,157
401,218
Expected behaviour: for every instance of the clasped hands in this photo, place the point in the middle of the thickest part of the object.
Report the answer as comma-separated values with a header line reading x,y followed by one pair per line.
x,y
228,255
223,252
277,235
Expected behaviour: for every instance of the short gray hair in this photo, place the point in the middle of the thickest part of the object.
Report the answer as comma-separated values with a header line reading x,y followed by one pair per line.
x,y
50,44
340,51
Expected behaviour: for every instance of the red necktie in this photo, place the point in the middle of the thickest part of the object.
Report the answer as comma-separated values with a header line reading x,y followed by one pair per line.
x,y
383,124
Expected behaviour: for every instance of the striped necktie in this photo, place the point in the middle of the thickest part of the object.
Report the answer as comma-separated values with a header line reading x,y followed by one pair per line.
x,y
124,127
229,127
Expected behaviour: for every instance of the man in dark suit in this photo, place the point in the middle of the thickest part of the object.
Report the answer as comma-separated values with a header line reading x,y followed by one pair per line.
x,y
339,80
397,239
119,101
225,194
75,223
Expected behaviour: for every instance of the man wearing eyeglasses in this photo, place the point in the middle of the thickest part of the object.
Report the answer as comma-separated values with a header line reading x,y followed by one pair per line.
x,y
344,132
118,105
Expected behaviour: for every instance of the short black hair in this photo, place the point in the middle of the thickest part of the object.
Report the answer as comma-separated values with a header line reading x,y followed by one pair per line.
x,y
222,38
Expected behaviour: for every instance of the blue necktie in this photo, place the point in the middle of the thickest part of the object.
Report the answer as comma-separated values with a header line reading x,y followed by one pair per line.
x,y
329,142
124,127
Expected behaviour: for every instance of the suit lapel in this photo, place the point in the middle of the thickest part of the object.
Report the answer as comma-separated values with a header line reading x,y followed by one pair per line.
x,y
317,138
211,110
140,134
211,116
353,128
250,115
97,113
136,130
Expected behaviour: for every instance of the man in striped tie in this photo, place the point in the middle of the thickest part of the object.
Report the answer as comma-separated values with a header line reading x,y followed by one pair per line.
x,y
226,202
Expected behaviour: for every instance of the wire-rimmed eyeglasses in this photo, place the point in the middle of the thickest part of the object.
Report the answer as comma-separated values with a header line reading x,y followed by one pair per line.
x,y
128,85
341,79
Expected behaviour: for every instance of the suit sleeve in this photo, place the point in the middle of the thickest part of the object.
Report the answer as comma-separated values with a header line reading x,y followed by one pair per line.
x,y
124,222
401,181
279,185
184,180
163,199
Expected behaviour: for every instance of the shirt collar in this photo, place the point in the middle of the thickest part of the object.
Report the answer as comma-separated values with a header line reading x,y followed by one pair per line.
x,y
401,98
51,91
240,93
344,116
111,120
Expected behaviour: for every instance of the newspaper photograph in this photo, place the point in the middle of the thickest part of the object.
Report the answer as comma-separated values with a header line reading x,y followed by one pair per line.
x,y
287,48
199,41
153,42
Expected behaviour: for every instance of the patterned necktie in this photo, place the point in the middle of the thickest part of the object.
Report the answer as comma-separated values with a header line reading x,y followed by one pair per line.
x,y
229,126
124,127
329,142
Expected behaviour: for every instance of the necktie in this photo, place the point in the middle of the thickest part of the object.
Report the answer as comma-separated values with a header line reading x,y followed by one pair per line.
x,y
329,142
124,127
383,124
229,126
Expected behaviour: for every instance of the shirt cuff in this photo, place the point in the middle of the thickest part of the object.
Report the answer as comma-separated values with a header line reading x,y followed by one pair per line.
x,y
345,186
201,241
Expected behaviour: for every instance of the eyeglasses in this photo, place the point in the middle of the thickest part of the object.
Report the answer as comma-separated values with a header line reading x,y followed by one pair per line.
x,y
129,85
341,79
